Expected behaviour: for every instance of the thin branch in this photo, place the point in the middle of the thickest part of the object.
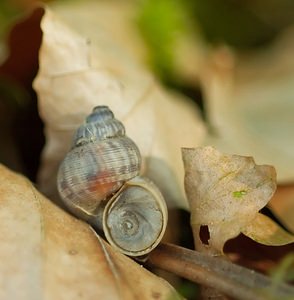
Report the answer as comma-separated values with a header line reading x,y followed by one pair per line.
x,y
230,279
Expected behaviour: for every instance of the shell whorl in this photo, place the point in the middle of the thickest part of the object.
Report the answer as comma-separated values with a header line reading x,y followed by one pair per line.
x,y
101,160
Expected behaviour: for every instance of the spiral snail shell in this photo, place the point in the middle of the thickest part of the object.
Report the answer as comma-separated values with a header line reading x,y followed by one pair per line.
x,y
101,159
99,181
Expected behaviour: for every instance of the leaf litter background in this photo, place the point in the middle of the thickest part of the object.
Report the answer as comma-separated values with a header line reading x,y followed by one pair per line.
x,y
247,98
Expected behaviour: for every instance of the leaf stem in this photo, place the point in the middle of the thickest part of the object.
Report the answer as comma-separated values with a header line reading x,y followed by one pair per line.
x,y
230,279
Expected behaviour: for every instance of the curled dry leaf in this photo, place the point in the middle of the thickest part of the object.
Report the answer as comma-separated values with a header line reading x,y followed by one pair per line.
x,y
47,254
226,192
265,231
78,72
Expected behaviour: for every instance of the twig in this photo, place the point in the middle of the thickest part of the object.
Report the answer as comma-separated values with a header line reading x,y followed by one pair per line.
x,y
230,279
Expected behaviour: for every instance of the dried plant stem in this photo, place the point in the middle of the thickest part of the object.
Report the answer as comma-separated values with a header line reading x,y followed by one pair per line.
x,y
228,278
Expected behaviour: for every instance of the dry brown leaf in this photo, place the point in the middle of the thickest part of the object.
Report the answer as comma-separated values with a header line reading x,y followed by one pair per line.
x,y
47,254
265,231
78,72
225,192
250,103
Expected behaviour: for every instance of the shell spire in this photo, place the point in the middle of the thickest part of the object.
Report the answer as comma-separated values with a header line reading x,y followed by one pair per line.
x,y
99,125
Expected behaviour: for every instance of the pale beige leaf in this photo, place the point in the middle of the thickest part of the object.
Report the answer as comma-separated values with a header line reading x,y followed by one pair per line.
x,y
78,72
225,191
47,254
250,103
118,19
113,17
264,230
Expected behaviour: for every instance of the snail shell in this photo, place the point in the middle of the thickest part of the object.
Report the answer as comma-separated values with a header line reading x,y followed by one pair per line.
x,y
102,158
134,220
98,181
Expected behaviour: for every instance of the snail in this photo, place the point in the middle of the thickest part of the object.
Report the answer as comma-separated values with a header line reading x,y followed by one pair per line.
x,y
99,182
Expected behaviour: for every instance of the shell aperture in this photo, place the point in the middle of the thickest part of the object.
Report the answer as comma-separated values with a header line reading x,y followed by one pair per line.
x,y
135,220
